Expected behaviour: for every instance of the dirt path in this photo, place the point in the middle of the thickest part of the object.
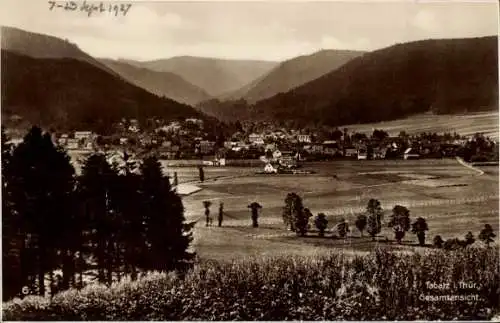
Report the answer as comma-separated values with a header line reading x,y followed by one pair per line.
x,y
463,163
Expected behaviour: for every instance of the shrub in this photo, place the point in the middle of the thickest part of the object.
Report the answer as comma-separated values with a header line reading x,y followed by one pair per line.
x,y
321,223
486,235
379,286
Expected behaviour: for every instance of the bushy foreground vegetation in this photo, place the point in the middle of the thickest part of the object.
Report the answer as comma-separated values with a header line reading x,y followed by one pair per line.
x,y
379,286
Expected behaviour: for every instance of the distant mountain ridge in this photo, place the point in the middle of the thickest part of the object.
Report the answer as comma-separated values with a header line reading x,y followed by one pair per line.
x,y
215,76
295,72
160,83
442,76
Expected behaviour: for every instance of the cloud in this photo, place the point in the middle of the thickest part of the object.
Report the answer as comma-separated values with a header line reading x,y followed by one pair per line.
x,y
265,30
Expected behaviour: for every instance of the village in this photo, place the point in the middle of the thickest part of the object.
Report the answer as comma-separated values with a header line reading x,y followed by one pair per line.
x,y
278,148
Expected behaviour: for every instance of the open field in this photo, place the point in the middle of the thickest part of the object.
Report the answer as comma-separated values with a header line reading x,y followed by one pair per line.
x,y
458,201
469,124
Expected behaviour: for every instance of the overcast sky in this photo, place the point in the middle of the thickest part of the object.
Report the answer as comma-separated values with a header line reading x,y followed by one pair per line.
x,y
270,30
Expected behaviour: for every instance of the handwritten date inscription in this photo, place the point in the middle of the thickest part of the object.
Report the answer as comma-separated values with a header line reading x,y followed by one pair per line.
x,y
91,7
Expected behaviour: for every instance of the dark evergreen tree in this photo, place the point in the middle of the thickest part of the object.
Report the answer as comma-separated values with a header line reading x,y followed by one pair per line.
x,y
12,239
95,191
165,229
132,236
41,184
201,174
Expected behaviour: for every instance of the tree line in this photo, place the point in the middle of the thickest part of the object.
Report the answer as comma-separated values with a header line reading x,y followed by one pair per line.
x,y
296,218
105,224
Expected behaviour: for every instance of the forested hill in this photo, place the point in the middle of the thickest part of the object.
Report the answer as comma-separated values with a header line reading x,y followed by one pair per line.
x,y
298,71
445,76
44,46
160,83
72,94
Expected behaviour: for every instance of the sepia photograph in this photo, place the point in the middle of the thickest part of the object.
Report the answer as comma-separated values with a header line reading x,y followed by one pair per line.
x,y
271,160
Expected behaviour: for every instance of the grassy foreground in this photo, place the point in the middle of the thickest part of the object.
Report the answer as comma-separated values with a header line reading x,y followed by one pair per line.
x,y
379,286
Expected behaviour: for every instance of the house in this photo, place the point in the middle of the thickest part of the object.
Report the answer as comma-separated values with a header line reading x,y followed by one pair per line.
x,y
173,126
411,153
83,135
195,121
229,144
72,143
85,138
89,146
133,128
271,147
256,139
316,148
304,138
62,140
15,141
350,152
362,153
379,153
331,147
259,142
270,168
288,159
206,146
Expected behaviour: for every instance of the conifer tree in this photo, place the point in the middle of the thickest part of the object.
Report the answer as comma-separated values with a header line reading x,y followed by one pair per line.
x,y
12,245
95,188
164,219
41,185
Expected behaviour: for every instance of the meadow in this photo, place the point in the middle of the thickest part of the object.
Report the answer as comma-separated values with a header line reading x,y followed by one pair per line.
x,y
452,198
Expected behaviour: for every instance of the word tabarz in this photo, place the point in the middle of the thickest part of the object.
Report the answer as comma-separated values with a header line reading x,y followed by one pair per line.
x,y
91,7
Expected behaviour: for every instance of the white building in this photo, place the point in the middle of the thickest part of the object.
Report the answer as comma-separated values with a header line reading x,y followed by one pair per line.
x,y
276,154
304,138
411,153
73,144
256,139
270,169
85,135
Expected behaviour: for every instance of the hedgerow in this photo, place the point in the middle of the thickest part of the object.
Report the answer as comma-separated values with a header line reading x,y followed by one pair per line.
x,y
382,285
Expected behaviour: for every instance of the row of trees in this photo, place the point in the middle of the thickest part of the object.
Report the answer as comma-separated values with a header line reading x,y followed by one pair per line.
x,y
109,221
486,235
296,218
